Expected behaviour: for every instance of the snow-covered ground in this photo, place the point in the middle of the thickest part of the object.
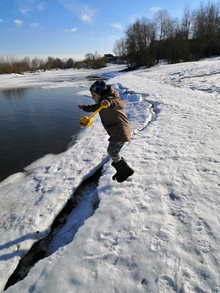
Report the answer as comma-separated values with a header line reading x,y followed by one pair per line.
x,y
54,78
158,231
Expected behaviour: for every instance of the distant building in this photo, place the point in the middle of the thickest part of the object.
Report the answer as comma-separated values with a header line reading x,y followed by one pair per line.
x,y
113,59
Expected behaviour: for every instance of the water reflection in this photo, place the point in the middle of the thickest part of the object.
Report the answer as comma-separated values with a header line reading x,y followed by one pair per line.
x,y
14,92
35,122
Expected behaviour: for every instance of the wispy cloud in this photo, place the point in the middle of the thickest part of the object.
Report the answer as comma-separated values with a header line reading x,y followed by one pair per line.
x,y
154,9
24,10
26,6
41,6
1,20
149,14
70,30
34,25
18,22
85,12
118,26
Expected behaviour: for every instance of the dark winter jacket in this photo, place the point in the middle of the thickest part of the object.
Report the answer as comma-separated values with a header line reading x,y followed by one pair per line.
x,y
113,118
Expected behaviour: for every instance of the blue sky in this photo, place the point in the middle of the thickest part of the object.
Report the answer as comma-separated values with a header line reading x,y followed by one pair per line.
x,y
69,28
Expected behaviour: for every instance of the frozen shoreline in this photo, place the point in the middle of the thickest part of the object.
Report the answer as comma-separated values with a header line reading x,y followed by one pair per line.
x,y
157,232
54,78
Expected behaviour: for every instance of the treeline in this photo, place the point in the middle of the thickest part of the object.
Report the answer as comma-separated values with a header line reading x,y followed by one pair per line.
x,y
13,65
195,36
146,42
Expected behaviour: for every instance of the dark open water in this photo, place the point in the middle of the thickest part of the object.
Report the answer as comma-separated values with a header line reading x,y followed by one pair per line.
x,y
35,122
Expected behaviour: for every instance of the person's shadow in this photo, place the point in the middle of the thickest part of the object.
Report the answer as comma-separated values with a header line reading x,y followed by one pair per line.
x,y
16,243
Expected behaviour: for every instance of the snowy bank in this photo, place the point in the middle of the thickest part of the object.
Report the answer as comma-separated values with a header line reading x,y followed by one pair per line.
x,y
157,232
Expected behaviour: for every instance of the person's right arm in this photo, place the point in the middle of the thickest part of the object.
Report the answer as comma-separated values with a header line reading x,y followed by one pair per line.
x,y
89,108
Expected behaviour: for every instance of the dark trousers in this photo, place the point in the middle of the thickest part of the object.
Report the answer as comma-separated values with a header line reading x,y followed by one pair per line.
x,y
114,149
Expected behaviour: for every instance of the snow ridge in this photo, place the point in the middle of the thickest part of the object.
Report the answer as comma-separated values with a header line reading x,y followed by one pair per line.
x,y
43,247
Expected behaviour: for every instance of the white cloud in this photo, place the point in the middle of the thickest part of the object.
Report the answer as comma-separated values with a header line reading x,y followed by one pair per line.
x,y
25,3
71,30
34,25
24,10
41,6
154,9
150,13
85,13
25,6
18,22
118,26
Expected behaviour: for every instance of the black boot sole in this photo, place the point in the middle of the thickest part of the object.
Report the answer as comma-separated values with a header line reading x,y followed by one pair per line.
x,y
122,178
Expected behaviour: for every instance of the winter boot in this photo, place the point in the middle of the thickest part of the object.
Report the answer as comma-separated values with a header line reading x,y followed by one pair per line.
x,y
123,170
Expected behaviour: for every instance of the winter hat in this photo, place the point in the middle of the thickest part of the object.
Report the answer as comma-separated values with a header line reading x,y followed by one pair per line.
x,y
99,87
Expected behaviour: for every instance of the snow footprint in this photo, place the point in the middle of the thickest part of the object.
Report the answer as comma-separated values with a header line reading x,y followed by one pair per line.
x,y
203,228
203,245
109,239
181,216
108,246
158,241
166,284
203,233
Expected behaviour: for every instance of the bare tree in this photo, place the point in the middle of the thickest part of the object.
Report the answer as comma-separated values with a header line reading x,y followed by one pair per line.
x,y
120,49
95,60
206,31
70,63
165,28
139,38
186,24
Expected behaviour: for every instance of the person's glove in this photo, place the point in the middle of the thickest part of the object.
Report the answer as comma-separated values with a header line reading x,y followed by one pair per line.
x,y
105,103
82,107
